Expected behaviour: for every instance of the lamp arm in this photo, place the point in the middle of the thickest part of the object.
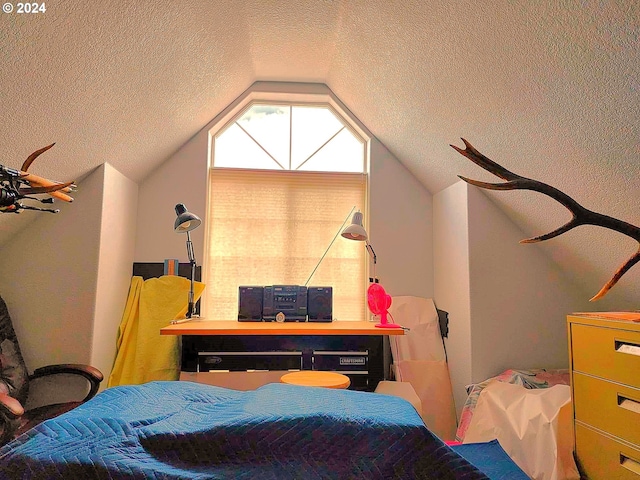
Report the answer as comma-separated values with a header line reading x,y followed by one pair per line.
x,y
192,261
369,248
371,252
327,250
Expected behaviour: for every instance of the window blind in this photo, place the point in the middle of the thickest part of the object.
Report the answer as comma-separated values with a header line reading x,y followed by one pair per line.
x,y
272,228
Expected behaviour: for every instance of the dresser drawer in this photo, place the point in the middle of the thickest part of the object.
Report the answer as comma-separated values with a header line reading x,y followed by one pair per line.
x,y
607,406
603,458
607,353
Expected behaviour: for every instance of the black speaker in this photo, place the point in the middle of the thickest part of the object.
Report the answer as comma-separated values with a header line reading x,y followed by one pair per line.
x,y
250,304
320,304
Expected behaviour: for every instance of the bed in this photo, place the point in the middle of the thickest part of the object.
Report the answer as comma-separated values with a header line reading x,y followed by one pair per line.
x,y
183,430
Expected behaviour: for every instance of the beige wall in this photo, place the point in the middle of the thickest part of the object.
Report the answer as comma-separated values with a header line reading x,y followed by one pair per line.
x,y
65,277
400,223
400,210
181,179
400,226
507,301
519,297
48,278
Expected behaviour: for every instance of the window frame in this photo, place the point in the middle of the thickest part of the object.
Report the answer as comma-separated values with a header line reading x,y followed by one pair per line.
x,y
289,94
319,104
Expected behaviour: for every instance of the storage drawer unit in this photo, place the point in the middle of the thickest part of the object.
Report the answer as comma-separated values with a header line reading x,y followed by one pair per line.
x,y
340,361
602,456
608,406
604,352
605,382
243,361
353,364
204,353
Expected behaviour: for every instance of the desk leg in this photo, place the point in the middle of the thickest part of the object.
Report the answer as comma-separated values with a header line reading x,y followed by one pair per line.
x,y
387,357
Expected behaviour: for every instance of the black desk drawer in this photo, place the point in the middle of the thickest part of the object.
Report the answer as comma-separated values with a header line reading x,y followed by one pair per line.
x,y
243,361
354,364
202,353
341,361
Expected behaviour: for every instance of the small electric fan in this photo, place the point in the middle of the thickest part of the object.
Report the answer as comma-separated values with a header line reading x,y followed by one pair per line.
x,y
379,303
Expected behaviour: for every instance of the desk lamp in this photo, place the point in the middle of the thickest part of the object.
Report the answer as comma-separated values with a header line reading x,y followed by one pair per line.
x,y
186,222
377,299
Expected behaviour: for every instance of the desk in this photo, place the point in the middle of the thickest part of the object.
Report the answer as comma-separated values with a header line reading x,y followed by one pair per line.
x,y
355,349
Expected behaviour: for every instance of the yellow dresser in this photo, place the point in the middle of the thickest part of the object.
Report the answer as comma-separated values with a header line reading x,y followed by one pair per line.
x,y
604,352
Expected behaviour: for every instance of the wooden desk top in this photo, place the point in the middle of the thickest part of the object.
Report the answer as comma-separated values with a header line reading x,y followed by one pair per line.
x,y
199,326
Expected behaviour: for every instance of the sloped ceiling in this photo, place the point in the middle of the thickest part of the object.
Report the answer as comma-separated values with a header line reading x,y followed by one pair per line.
x,y
551,90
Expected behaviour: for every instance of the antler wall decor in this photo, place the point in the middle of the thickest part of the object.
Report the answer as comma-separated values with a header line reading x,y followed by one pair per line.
x,y
581,215
16,185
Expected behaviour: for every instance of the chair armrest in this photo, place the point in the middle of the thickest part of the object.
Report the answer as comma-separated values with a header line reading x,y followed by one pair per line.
x,y
10,407
92,374
10,411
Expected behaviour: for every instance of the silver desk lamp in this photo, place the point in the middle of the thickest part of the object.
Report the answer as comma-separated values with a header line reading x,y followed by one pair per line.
x,y
185,222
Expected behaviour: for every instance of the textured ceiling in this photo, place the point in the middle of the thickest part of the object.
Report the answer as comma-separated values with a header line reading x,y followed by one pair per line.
x,y
551,90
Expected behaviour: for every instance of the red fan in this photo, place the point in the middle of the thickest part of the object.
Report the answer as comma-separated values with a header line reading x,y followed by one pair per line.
x,y
379,303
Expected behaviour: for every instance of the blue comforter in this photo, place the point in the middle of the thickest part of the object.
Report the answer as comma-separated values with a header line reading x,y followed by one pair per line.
x,y
182,430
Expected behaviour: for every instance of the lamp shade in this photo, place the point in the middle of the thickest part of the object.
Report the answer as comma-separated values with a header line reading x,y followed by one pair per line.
x,y
186,221
355,231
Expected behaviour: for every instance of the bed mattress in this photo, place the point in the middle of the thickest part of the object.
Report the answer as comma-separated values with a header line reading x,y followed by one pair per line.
x,y
183,430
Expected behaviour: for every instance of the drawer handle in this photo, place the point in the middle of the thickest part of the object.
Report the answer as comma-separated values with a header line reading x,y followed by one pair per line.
x,y
630,463
628,403
627,347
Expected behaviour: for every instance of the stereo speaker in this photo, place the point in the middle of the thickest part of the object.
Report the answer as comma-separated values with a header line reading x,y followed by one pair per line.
x,y
320,304
250,304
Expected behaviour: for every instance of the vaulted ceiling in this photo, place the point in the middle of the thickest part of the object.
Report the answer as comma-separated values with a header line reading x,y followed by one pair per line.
x,y
548,89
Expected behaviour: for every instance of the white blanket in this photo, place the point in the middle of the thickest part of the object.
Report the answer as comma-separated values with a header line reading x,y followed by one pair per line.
x,y
534,426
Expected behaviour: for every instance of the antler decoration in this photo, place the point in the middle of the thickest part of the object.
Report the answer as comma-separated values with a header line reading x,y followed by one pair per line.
x,y
581,215
55,189
16,185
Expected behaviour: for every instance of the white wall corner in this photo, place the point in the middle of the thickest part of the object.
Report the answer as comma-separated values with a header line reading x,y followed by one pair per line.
x,y
451,282
117,245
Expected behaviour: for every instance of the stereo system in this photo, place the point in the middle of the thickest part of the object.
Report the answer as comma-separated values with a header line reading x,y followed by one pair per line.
x,y
250,304
285,303
320,304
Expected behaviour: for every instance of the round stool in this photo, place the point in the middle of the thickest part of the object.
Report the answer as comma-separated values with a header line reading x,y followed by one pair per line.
x,y
315,378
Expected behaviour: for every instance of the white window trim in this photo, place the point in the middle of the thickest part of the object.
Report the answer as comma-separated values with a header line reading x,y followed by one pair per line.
x,y
289,93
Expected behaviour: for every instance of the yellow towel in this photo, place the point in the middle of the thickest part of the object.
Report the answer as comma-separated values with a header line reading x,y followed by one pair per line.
x,y
142,354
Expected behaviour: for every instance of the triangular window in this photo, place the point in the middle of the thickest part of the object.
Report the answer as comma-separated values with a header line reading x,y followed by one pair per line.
x,y
289,137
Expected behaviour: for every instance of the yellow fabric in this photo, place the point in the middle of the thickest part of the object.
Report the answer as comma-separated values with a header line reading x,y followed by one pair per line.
x,y
142,354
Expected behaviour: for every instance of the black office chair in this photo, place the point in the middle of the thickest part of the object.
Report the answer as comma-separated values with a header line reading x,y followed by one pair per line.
x,y
14,384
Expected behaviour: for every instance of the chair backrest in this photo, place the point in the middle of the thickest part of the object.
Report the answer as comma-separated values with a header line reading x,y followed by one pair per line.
x,y
14,377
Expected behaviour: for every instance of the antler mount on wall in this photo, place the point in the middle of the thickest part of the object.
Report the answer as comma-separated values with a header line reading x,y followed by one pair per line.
x,y
580,215
16,185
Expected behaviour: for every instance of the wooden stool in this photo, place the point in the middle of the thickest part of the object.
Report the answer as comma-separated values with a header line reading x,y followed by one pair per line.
x,y
315,378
